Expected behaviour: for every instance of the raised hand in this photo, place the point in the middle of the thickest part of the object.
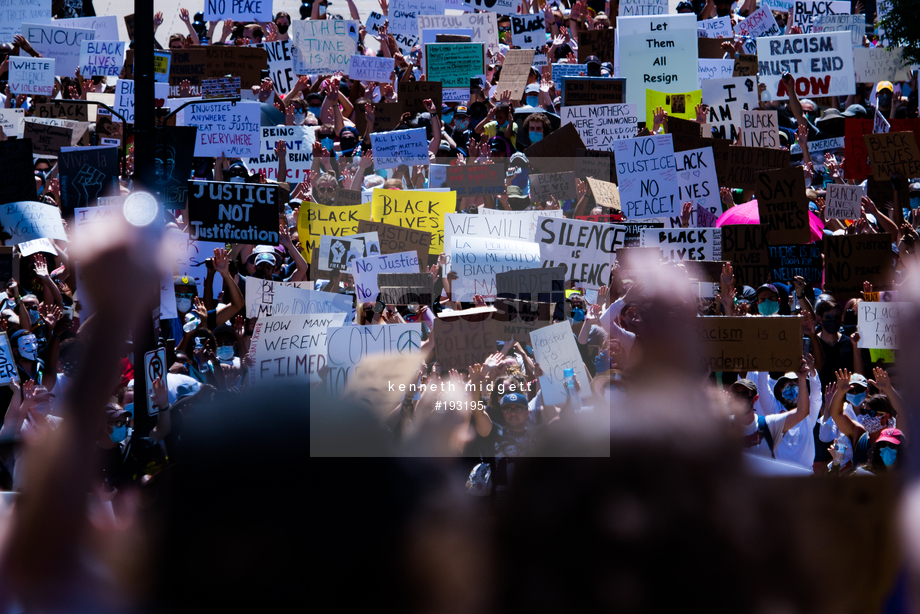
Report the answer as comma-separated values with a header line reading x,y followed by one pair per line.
x,y
40,265
51,314
183,15
881,380
221,261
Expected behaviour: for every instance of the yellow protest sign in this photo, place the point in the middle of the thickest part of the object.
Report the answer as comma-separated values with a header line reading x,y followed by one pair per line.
x,y
419,210
316,220
676,105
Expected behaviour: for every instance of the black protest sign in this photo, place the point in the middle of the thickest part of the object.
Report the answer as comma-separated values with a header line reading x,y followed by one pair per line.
x,y
737,167
476,179
685,134
850,260
62,109
47,139
559,185
745,246
173,164
546,285
557,151
387,115
600,43
790,261
592,90
459,343
598,164
405,288
6,264
19,178
86,174
783,205
518,319
704,270
412,95
396,239
634,231
234,212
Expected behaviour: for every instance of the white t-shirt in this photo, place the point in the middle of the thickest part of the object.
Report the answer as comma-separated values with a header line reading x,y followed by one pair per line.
x,y
798,444
776,423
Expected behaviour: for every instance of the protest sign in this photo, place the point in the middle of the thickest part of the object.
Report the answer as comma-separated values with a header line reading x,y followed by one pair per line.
x,y
14,12
86,174
161,61
602,124
843,201
12,122
856,158
515,72
224,128
704,217
455,64
396,239
316,220
593,163
419,210
498,224
822,64
737,343
247,63
647,175
405,288
746,247
280,65
502,7
322,46
850,260
560,71
299,145
727,100
717,27
559,185
678,244
783,205
605,194
697,181
659,52
759,129
519,318
9,372
578,90
101,57
58,43
880,124
790,261
406,40
599,43
745,65
484,26
124,97
291,348
47,139
267,298
854,24
759,23
893,153
19,178
367,68
403,14
173,153
31,76
880,64
234,212
397,147
338,253
715,69
387,115
367,269
737,167
459,343
686,134
682,105
555,346
629,8
238,10
546,285
190,256
220,88
90,216
36,246
477,261
347,346
528,31
155,368
805,13
27,220
62,109
475,179
344,196
879,324
587,250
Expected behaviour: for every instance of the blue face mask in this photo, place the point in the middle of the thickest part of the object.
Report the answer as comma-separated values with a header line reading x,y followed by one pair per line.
x,y
578,314
768,308
889,455
462,124
856,399
791,393
503,126
533,101
327,143
447,118
119,433
536,137
225,352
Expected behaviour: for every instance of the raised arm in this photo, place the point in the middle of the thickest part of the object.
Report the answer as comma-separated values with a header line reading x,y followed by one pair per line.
x,y
846,425
237,302
883,383
803,405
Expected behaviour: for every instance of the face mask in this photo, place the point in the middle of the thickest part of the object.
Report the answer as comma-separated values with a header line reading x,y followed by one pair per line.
x,y
119,433
283,29
889,455
533,101
830,326
299,117
447,118
225,352
856,399
28,347
327,143
462,124
315,109
791,393
237,180
578,314
322,10
873,424
768,308
183,304
33,316
503,126
348,145
884,100
536,137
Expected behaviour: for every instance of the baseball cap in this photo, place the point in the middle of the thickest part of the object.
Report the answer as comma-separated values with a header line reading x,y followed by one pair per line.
x,y
518,157
461,110
532,88
769,287
514,398
114,413
884,85
269,258
858,379
593,59
183,280
890,436
742,385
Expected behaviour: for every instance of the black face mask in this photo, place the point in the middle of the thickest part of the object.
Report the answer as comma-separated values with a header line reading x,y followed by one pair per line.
x,y
884,100
283,29
348,144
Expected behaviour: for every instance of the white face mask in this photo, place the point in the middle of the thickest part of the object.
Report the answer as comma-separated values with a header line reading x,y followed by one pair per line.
x,y
183,304
28,347
237,180
322,10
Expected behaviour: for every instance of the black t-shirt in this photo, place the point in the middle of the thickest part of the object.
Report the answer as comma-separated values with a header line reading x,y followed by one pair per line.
x,y
836,356
128,463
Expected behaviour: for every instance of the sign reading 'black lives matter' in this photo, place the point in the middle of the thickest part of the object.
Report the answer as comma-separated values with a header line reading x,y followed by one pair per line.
x,y
233,212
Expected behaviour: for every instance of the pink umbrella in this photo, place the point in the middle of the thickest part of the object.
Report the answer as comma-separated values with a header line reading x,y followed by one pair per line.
x,y
748,213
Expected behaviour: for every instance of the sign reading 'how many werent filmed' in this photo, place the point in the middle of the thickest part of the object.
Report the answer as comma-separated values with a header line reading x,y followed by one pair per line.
x,y
233,212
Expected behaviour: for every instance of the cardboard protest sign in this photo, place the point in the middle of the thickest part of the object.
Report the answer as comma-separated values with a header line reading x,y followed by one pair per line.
x,y
727,100
559,185
737,343
344,196
879,64
419,210
47,139
299,143
12,122
746,247
367,68
321,47
592,163
545,285
27,220
783,205
854,24
558,147
715,69
515,71
31,76
586,250
528,31
475,179
599,43
717,27
600,125
737,167
821,63
291,348
686,134
697,180
61,44
412,95
605,194
642,7
879,324
843,201
849,260
62,109
459,343
86,174
224,128
396,239
893,153
805,13
555,345
579,90
19,180
14,12
518,318
789,261
647,176
678,244
234,212
101,57
238,10
397,147
478,260
658,52
367,269
173,153
347,347
405,288
455,64
316,220
759,129
745,65
759,23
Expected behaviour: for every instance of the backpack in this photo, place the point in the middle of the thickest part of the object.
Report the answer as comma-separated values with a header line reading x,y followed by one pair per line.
x,y
764,431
